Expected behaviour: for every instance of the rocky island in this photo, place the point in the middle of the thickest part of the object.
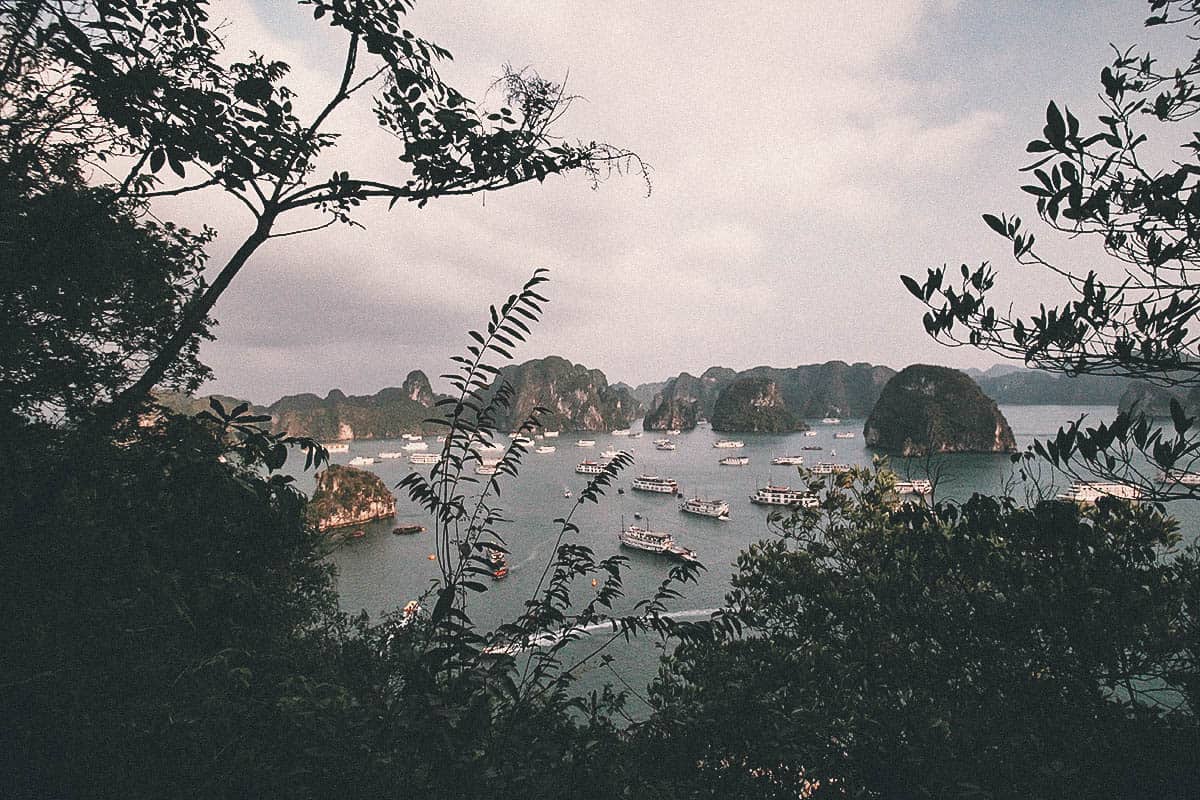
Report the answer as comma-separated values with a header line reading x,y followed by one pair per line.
x,y
578,398
685,399
926,409
754,405
348,496
383,415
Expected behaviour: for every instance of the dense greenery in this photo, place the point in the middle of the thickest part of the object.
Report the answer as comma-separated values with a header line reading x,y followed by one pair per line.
x,y
926,409
754,404
570,397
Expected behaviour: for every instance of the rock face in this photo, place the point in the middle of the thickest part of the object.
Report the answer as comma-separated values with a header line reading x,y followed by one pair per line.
x,y
926,409
685,399
578,398
754,405
348,496
383,415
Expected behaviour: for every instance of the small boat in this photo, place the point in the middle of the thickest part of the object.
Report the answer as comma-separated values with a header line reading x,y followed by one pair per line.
x,y
783,496
566,492
390,454
1090,492
918,486
812,447
589,468
674,432
810,433
620,490
830,421
718,509
415,445
734,461
664,445
843,435
653,483
424,458
487,466
636,515
408,528
412,437
361,461
622,432
789,461
543,449
728,443
610,453
336,447
586,443
550,434
498,564
829,468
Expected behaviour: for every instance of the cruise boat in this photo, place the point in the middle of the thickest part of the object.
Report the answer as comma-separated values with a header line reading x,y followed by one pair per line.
x,y
622,432
412,437
545,449
415,445
727,443
717,509
336,447
830,421
1089,492
498,564
829,468
550,434
788,461
653,483
843,435
586,443
662,441
589,468
1181,477
654,542
665,444
610,453
424,458
918,486
783,496
391,454
361,461
734,461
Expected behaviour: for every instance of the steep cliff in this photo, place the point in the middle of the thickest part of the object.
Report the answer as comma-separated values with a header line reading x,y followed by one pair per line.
x,y
383,415
926,409
348,496
832,389
754,405
578,398
685,399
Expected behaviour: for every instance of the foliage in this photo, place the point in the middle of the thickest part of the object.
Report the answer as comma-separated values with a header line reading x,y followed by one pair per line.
x,y
981,650
1134,318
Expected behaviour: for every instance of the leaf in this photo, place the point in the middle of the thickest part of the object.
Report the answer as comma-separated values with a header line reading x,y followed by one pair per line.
x,y
996,224
913,287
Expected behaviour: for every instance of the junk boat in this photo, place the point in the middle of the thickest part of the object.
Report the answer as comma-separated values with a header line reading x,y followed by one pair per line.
x,y
727,443
734,461
424,458
790,461
390,454
829,468
589,468
336,447
586,443
843,435
718,509
653,483
361,461
543,449
654,542
918,486
1089,492
783,496
665,444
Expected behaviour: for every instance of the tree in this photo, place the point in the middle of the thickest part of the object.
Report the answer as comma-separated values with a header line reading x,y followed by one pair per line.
x,y
1135,317
981,650
140,90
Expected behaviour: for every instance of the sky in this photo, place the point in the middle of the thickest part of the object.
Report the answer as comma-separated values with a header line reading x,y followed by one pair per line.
x,y
804,155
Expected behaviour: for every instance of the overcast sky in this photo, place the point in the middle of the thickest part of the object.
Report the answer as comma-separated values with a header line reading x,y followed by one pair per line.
x,y
804,156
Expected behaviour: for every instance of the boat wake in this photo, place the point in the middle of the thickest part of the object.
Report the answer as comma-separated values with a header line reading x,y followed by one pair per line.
x,y
551,638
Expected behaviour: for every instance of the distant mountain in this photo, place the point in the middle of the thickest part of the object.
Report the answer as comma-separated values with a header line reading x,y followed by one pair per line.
x,y
383,415
1036,387
578,398
685,399
928,409
644,392
754,405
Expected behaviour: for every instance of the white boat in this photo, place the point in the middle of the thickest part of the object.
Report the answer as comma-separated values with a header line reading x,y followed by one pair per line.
x,y
830,421
1089,492
674,432
734,461
718,509
361,461
520,438
653,483
790,461
843,435
918,486
829,468
424,458
589,468
1180,477
728,443
654,542
488,466
336,447
415,445
622,432
783,496
550,434
662,441
566,492
412,437
545,449
390,454
664,445
586,443
610,453
810,433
